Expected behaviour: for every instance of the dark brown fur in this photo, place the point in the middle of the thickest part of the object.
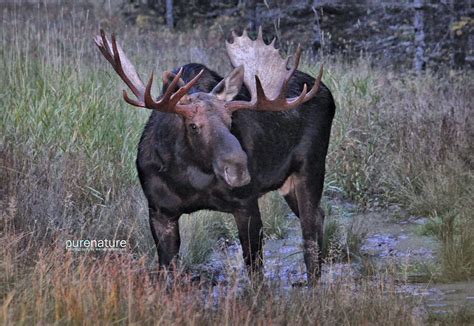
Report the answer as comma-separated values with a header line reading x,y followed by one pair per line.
x,y
231,160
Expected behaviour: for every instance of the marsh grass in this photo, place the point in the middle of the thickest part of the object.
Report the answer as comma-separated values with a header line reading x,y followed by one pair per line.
x,y
118,288
342,241
67,150
274,213
455,316
200,234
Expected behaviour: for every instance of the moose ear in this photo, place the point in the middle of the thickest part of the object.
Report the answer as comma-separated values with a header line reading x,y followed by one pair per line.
x,y
230,86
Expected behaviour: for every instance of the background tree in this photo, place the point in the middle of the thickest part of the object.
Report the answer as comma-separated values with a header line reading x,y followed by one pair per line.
x,y
252,14
169,14
459,26
419,26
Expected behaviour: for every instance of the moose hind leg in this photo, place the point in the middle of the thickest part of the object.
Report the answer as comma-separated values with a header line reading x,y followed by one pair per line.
x,y
250,227
165,232
308,196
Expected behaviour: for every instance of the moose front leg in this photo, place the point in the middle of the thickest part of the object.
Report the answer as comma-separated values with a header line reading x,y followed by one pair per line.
x,y
249,224
165,231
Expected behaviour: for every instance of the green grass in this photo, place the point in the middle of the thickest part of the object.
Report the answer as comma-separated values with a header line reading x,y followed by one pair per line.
x,y
201,232
274,213
342,239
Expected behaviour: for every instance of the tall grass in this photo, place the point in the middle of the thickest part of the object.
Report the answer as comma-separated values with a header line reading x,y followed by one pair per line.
x,y
408,139
117,288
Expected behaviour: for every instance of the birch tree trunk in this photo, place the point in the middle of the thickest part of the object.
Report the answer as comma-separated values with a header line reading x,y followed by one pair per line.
x,y
419,62
317,39
169,14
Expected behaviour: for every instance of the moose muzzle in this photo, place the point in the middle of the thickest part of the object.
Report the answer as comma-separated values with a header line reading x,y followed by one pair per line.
x,y
231,165
236,175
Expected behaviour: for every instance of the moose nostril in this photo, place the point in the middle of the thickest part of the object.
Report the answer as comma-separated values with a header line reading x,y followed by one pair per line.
x,y
235,176
226,172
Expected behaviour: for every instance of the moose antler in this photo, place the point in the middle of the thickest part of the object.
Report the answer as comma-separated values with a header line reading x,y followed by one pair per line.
x,y
266,75
169,102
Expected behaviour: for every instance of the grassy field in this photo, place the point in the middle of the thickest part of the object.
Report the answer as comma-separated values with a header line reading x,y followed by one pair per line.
x,y
67,151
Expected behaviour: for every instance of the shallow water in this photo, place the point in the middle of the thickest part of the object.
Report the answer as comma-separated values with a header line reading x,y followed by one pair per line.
x,y
444,298
391,240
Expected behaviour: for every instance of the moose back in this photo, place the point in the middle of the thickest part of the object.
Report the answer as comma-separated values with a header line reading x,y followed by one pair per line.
x,y
220,143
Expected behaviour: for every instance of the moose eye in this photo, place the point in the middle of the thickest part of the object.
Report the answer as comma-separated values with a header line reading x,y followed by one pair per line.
x,y
193,127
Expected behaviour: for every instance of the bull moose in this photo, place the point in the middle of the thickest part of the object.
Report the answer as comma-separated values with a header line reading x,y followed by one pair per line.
x,y
220,143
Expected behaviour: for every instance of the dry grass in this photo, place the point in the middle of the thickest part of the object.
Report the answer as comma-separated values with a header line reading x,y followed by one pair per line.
x,y
52,285
408,139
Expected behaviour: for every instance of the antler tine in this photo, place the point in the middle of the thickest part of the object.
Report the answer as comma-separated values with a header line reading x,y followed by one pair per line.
x,y
297,62
114,54
267,75
183,90
149,102
126,79
295,101
279,103
104,46
304,95
261,98
169,100
317,84
172,86
284,85
130,101
163,103
119,61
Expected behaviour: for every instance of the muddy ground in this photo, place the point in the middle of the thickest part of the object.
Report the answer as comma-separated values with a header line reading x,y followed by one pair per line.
x,y
392,243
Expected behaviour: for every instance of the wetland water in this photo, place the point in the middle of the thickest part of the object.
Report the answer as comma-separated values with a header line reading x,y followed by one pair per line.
x,y
391,243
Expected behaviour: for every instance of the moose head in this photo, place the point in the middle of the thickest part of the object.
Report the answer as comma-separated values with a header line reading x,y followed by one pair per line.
x,y
207,117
